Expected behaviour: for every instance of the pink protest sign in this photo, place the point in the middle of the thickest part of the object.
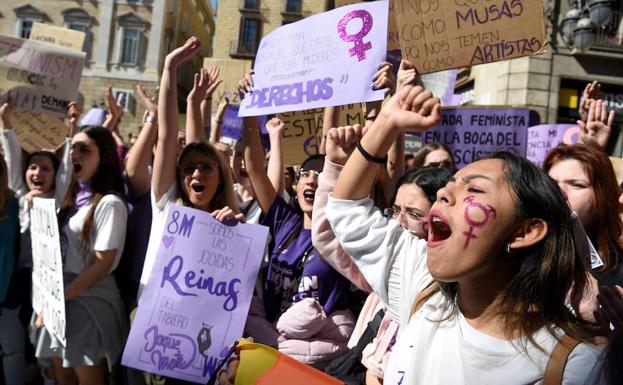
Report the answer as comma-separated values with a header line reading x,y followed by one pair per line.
x,y
196,302
544,137
327,59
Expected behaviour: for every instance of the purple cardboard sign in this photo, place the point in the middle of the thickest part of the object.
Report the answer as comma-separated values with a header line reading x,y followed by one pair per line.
x,y
232,123
472,133
328,59
544,137
197,298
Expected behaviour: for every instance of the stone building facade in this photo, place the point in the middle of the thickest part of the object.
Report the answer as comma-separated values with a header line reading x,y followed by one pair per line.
x,y
126,41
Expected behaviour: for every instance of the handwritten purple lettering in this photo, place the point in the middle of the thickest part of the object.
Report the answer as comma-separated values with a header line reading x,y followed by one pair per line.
x,y
292,94
158,344
191,279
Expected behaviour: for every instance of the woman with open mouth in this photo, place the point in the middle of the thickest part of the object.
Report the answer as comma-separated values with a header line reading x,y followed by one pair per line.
x,y
297,281
200,177
482,301
41,175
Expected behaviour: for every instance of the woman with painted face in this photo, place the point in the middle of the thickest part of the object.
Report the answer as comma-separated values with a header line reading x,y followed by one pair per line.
x,y
200,178
303,298
482,301
586,178
92,221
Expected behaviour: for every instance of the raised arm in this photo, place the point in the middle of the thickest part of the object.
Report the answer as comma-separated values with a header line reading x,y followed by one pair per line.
x,y
340,144
139,157
330,119
598,125
115,111
198,112
12,151
215,131
413,108
275,169
254,155
166,148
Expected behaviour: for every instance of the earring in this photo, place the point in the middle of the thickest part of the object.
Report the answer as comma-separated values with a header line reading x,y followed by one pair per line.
x,y
508,248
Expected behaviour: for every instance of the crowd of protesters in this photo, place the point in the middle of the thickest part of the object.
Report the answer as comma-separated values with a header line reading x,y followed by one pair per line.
x,y
424,273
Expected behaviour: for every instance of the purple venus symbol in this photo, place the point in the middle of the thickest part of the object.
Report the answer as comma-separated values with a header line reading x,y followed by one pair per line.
x,y
360,47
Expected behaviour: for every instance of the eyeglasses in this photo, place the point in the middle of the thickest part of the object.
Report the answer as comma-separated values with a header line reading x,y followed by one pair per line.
x,y
420,221
307,173
204,168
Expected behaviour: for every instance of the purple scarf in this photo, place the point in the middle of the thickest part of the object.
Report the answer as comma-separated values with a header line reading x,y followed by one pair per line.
x,y
84,194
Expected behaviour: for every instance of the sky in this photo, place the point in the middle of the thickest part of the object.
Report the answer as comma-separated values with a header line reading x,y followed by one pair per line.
x,y
214,4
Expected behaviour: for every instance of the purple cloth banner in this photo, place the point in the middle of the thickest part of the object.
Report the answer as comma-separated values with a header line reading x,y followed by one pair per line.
x,y
232,124
544,137
328,59
196,301
472,133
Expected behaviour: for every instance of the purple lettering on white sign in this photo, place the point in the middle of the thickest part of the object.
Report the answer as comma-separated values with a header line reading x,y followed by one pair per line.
x,y
198,295
544,137
327,59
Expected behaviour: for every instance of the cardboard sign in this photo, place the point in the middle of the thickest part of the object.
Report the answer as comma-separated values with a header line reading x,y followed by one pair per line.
x,y
39,77
617,165
393,40
303,130
64,37
231,72
436,35
198,295
48,295
327,59
37,131
472,133
544,137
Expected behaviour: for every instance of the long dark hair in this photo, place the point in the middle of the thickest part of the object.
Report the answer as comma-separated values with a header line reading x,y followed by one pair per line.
x,y
543,273
606,227
420,156
106,180
430,179
46,154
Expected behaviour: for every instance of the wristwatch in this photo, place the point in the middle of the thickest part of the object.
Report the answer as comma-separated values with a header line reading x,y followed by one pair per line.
x,y
151,119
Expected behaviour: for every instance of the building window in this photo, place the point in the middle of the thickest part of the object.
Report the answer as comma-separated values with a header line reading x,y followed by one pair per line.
x,y
251,4
130,45
25,28
78,20
249,36
293,6
88,39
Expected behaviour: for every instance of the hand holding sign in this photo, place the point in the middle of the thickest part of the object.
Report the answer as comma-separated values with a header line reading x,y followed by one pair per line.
x,y
406,75
413,109
384,78
227,214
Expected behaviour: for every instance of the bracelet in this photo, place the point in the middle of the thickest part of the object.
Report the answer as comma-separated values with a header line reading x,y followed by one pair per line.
x,y
370,158
150,119
370,117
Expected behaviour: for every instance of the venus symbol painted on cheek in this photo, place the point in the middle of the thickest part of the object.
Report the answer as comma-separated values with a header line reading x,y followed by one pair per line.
x,y
476,215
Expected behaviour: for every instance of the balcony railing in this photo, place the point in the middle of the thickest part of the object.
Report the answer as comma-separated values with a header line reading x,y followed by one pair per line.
x,y
610,37
242,49
250,5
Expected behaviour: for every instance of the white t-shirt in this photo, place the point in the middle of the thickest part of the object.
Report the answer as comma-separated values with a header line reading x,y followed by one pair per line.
x,y
437,345
107,233
159,212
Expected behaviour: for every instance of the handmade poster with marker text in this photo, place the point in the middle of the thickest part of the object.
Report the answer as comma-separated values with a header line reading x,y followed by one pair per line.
x,y
544,137
39,77
327,59
197,298
48,293
436,35
472,133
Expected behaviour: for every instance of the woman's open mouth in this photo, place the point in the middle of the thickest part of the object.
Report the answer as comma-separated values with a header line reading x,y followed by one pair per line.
x,y
309,195
438,229
77,168
198,187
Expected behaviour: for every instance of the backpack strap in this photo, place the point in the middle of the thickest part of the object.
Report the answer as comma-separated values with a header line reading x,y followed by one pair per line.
x,y
424,295
558,360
